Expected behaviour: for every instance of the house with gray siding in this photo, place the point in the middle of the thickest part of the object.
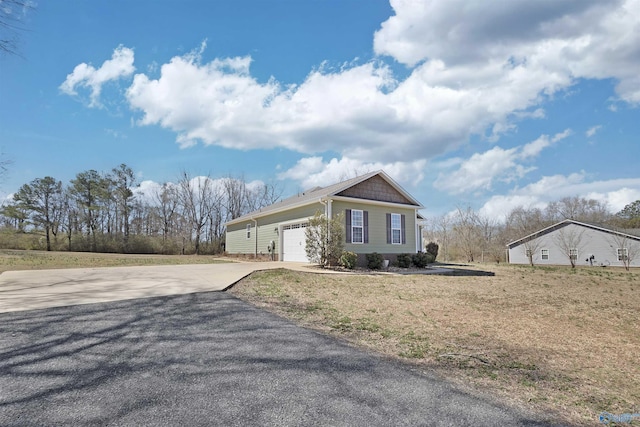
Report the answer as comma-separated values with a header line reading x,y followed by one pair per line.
x,y
587,244
379,216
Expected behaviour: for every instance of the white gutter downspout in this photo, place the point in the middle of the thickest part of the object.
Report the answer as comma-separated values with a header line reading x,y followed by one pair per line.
x,y
418,232
329,213
326,214
255,222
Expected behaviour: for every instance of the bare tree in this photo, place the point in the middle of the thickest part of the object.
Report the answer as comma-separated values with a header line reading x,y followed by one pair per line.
x,y
167,199
627,248
523,222
490,244
442,227
465,228
12,13
236,197
577,209
261,196
570,239
4,165
195,198
69,216
324,239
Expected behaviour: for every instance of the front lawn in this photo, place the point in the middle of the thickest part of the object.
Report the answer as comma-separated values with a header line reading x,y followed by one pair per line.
x,y
555,340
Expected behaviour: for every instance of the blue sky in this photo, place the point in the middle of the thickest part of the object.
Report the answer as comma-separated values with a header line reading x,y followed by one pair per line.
x,y
484,103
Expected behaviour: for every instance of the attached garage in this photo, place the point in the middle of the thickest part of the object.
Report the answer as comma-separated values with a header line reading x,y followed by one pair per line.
x,y
377,214
294,242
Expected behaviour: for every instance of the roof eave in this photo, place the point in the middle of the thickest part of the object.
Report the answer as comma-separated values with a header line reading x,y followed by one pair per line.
x,y
258,214
570,221
375,202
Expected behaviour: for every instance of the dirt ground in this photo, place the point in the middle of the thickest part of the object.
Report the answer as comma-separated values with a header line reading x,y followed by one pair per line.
x,y
552,339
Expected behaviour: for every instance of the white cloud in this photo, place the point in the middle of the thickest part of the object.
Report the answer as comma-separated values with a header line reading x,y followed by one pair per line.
x,y
617,199
617,193
85,75
498,206
115,133
476,69
568,39
592,131
146,191
481,170
314,171
358,111
534,148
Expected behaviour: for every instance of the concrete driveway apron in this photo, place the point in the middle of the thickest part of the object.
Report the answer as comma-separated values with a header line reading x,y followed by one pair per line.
x,y
28,290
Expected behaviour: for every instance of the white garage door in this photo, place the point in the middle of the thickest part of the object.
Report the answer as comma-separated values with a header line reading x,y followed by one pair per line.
x,y
293,243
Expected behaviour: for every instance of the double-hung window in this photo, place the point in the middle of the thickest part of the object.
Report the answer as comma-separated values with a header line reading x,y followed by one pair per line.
x,y
248,231
396,233
573,254
396,229
357,226
623,254
544,254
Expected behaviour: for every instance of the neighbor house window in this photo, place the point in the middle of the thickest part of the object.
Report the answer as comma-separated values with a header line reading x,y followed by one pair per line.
x,y
248,231
623,254
573,254
544,254
357,226
396,229
528,253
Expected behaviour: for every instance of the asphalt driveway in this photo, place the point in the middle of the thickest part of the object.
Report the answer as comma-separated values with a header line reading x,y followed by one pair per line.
x,y
209,359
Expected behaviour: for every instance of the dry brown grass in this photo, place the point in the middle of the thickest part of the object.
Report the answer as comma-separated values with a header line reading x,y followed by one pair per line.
x,y
39,260
549,339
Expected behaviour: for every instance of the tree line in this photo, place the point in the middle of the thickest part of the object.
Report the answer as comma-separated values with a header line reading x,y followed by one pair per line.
x,y
467,235
108,212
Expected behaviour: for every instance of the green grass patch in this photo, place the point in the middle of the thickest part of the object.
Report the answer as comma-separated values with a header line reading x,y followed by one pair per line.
x,y
40,260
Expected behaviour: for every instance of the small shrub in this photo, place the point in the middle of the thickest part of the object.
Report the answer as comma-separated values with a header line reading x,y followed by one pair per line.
x,y
432,248
404,260
422,259
374,261
348,260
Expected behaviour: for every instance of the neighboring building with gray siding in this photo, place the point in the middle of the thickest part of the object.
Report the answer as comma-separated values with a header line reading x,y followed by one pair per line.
x,y
589,244
379,216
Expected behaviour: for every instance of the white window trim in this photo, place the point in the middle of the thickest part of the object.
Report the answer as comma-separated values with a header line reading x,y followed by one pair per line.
x,y
544,253
399,242
361,227
573,254
622,254
248,231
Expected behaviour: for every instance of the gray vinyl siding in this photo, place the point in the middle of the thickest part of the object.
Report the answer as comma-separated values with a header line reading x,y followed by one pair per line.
x,y
378,228
599,243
